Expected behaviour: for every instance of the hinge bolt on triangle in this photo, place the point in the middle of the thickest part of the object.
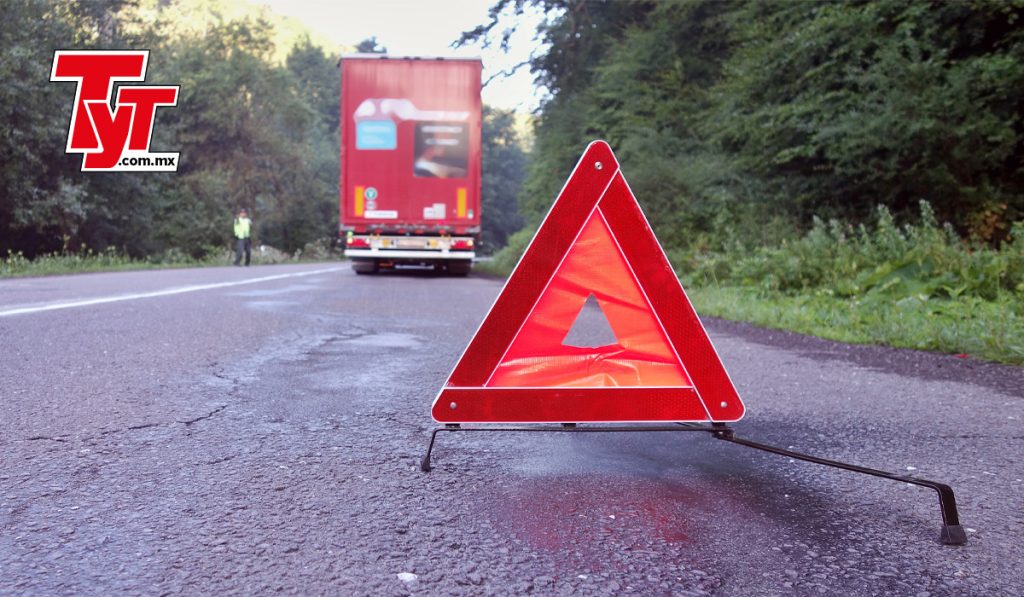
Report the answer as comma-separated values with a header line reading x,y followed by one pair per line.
x,y
598,165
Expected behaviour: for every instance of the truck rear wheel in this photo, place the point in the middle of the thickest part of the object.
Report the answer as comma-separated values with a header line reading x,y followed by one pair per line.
x,y
460,268
364,266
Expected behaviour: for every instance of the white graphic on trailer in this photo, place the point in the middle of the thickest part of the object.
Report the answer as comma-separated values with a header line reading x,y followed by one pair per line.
x,y
381,214
403,109
436,211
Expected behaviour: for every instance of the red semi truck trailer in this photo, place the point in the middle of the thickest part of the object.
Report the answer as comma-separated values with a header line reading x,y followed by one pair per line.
x,y
410,161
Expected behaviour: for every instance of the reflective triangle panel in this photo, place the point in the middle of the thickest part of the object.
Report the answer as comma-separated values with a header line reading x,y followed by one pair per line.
x,y
594,241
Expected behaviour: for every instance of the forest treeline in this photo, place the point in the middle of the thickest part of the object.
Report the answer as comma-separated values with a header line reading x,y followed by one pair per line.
x,y
742,120
256,126
736,121
853,170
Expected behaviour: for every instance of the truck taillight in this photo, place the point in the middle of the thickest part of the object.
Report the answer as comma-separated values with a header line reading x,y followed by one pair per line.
x,y
462,244
354,242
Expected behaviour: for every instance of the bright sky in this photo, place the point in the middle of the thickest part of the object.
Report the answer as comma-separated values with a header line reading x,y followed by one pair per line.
x,y
424,28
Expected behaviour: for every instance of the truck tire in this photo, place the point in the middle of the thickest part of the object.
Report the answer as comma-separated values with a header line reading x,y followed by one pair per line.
x,y
460,268
362,267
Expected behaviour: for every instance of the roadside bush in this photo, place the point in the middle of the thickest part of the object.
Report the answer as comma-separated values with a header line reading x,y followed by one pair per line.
x,y
505,260
922,260
83,260
265,255
916,285
323,249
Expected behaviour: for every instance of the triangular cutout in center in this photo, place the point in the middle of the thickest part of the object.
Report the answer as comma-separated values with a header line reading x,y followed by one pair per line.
x,y
640,355
591,328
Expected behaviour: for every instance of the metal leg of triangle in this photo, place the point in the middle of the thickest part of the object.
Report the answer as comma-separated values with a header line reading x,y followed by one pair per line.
x,y
952,533
564,428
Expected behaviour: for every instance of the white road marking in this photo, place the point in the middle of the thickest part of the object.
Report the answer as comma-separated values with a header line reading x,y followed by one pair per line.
x,y
155,293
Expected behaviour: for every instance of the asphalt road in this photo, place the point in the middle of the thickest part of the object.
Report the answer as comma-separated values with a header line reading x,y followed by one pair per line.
x,y
266,436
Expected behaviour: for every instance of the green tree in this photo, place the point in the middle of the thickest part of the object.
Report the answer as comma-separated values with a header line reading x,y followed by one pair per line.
x,y
251,132
370,45
244,132
42,200
504,168
837,107
741,120
318,80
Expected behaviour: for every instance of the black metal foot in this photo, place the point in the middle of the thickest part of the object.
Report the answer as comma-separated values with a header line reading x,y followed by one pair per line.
x,y
952,534
425,463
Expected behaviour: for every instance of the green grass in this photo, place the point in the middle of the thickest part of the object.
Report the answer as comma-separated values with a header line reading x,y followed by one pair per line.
x,y
916,285
989,330
911,286
492,269
504,261
84,261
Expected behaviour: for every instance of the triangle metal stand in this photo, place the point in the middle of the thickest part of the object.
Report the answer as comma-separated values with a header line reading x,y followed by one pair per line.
x,y
952,533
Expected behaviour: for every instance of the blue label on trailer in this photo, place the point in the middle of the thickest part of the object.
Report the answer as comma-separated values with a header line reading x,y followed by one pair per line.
x,y
376,134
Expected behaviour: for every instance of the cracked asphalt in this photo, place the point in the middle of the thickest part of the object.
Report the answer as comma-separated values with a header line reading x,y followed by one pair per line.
x,y
266,438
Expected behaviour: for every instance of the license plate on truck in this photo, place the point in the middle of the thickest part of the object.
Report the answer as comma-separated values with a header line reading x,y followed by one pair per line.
x,y
411,243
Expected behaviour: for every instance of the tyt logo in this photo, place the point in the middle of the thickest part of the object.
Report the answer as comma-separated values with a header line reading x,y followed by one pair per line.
x,y
113,136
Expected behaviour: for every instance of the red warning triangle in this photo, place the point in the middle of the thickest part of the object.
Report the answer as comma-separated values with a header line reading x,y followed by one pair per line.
x,y
594,241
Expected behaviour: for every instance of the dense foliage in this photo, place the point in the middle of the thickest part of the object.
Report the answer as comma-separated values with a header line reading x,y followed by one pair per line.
x,y
744,119
251,131
504,167
879,262
915,285
256,126
800,159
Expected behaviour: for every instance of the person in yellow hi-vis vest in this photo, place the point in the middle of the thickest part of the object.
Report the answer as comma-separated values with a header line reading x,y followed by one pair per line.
x,y
243,237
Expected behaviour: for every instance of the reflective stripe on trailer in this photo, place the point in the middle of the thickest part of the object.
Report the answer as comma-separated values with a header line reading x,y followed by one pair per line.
x,y
399,254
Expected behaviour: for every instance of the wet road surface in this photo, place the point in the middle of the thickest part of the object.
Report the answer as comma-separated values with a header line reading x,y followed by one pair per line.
x,y
265,436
